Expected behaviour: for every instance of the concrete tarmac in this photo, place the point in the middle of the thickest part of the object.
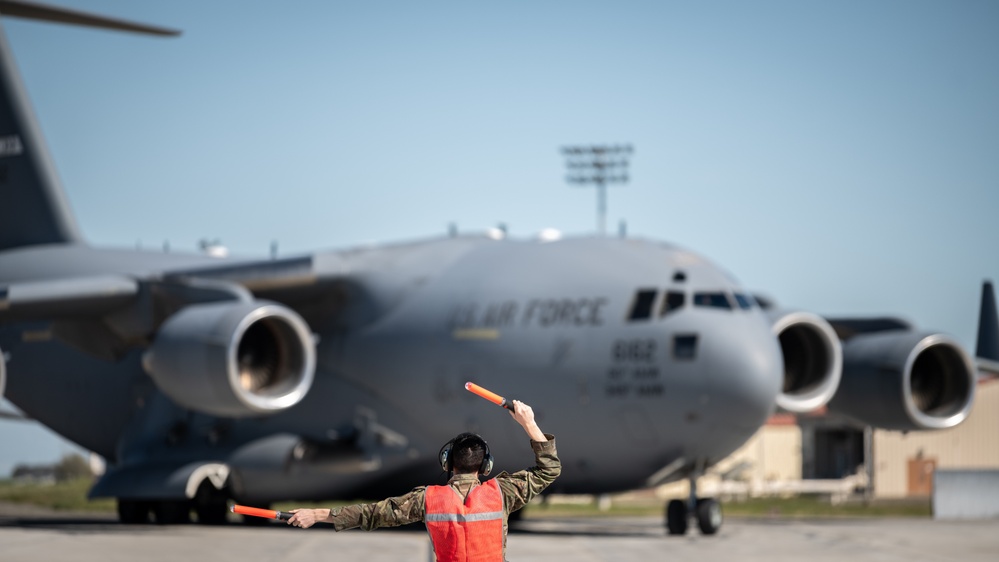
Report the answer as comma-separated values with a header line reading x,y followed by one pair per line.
x,y
85,538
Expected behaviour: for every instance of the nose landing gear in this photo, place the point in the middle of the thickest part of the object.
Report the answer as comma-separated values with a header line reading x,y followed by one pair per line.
x,y
707,512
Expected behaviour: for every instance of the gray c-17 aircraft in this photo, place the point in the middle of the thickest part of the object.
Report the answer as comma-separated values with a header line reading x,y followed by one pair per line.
x,y
340,374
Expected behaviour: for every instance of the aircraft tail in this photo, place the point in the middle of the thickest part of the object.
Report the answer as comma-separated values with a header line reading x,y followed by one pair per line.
x,y
987,351
33,206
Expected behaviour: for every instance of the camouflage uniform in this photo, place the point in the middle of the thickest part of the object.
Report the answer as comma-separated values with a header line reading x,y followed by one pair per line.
x,y
517,488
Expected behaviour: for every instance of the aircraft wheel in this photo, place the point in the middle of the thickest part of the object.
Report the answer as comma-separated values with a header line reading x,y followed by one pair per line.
x,y
210,505
132,512
676,517
172,512
709,516
212,513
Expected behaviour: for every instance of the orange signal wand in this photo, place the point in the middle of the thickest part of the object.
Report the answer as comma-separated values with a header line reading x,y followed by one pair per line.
x,y
489,395
257,512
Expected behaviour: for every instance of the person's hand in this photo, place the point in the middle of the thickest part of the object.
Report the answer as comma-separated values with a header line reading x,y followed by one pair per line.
x,y
306,518
524,415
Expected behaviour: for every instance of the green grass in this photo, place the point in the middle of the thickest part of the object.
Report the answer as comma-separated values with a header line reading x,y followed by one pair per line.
x,y
618,509
63,496
810,506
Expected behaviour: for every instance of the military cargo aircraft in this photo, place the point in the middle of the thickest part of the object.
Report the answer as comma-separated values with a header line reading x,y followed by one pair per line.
x,y
340,374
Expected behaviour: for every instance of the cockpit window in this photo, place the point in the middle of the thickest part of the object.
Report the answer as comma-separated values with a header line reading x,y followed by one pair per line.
x,y
745,301
641,307
673,301
712,300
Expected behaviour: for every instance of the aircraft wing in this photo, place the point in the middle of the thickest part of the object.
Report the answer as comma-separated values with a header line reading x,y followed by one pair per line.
x,y
191,326
66,298
288,281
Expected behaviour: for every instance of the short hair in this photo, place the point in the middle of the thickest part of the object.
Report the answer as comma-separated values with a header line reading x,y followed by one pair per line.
x,y
468,453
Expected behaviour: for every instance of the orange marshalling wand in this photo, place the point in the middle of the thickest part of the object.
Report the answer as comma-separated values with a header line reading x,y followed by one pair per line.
x,y
257,512
489,395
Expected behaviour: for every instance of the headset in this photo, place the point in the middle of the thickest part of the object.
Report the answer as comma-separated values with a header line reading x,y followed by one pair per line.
x,y
445,453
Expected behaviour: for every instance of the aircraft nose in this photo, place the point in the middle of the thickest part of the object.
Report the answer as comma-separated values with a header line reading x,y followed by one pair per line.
x,y
746,372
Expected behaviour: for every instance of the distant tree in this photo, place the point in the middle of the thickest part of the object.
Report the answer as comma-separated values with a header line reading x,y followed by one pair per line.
x,y
72,466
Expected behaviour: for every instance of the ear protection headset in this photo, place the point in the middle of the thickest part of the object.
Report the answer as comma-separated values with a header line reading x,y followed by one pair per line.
x,y
447,462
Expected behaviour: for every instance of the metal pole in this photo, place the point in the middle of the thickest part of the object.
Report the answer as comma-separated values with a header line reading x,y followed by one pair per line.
x,y
869,463
601,208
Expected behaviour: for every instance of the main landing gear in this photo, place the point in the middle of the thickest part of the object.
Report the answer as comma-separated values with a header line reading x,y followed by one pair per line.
x,y
707,511
209,506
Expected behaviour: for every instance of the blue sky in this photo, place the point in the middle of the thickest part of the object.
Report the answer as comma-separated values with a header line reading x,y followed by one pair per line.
x,y
840,157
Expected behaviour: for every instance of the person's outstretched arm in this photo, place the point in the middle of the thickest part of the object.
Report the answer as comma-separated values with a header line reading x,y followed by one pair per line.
x,y
390,512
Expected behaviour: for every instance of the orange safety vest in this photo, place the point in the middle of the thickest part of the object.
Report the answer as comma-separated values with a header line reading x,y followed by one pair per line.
x,y
469,531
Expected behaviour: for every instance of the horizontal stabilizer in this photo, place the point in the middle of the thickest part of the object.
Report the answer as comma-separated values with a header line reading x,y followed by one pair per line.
x,y
43,12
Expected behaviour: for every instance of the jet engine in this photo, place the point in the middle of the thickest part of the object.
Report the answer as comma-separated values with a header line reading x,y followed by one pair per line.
x,y
905,380
813,359
233,358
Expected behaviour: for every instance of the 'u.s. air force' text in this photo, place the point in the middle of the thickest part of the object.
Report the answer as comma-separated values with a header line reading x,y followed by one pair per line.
x,y
544,313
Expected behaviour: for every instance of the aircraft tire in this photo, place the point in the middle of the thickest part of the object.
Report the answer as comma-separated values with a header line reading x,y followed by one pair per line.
x,y
709,516
211,513
132,512
172,512
676,517
210,505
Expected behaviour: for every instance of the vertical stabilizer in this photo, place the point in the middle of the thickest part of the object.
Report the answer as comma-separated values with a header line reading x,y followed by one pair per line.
x,y
988,326
33,207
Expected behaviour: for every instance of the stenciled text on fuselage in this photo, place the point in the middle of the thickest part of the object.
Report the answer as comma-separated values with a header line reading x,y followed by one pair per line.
x,y
542,313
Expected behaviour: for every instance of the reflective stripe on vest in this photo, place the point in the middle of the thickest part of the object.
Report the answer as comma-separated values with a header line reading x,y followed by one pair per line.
x,y
469,530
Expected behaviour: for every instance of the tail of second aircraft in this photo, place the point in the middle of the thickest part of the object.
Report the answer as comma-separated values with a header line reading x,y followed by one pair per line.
x,y
987,351
33,206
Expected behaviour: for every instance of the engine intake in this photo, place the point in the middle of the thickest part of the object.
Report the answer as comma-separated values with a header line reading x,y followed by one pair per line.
x,y
233,358
813,359
905,381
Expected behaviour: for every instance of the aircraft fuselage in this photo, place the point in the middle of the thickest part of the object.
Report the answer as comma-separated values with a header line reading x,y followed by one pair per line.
x,y
634,354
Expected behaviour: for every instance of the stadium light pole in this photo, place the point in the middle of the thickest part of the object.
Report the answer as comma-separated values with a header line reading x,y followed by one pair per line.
x,y
598,165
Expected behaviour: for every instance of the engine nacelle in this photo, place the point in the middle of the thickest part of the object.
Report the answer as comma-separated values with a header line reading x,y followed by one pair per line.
x,y
233,358
905,381
813,359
